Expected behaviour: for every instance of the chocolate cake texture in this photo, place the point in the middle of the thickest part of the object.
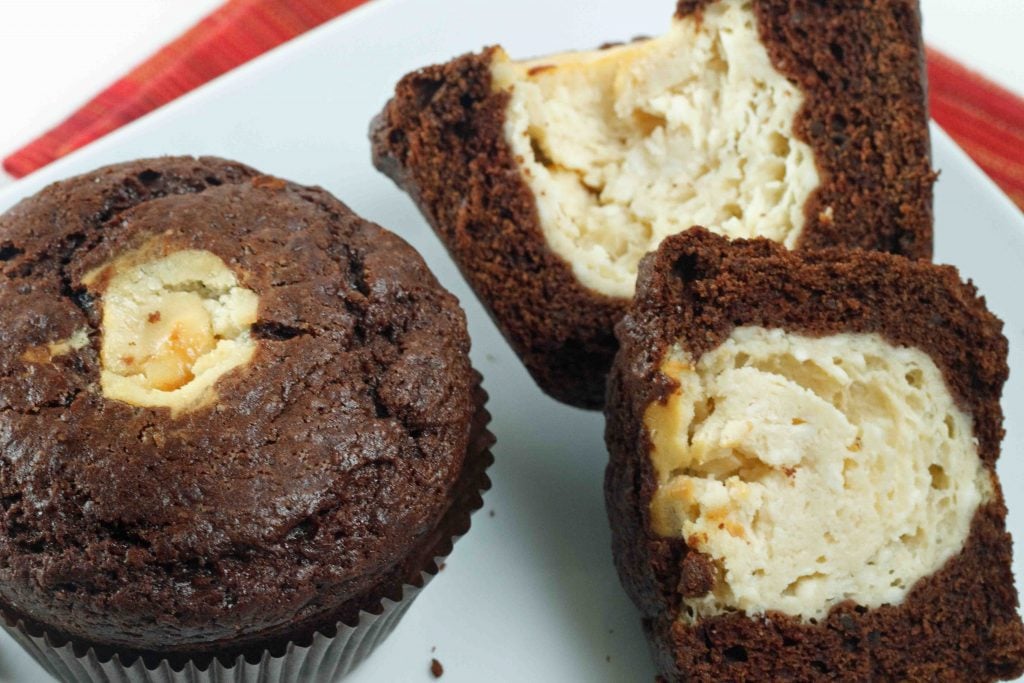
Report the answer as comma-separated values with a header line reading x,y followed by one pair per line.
x,y
548,180
232,413
758,433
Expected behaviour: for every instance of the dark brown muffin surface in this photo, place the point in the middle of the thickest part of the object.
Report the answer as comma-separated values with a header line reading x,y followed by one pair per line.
x,y
288,500
959,623
860,69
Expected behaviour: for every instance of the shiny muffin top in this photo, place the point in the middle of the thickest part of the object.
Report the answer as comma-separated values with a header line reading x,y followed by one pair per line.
x,y
228,405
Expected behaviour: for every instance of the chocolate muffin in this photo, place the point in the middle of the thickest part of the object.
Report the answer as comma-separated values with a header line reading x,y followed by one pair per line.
x,y
802,481
236,421
800,121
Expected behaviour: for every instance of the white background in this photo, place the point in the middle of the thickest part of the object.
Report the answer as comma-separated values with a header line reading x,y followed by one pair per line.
x,y
56,54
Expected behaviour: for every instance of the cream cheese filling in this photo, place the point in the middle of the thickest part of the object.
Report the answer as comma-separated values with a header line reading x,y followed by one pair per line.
x,y
812,470
626,146
173,324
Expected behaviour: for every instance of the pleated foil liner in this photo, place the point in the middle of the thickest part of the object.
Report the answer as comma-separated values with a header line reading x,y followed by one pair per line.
x,y
324,659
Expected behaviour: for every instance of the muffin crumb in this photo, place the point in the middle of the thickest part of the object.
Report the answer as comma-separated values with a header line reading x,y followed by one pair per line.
x,y
436,669
265,182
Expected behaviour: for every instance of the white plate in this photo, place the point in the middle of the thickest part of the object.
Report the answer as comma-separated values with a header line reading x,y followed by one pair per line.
x,y
530,594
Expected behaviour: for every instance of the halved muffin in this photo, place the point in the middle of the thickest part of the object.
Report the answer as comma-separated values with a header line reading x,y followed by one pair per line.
x,y
802,479
549,179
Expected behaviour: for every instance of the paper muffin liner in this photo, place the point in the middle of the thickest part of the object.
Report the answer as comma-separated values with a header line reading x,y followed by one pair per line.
x,y
324,659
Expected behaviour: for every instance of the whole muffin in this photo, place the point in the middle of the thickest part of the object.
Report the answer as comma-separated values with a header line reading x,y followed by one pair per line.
x,y
802,482
234,418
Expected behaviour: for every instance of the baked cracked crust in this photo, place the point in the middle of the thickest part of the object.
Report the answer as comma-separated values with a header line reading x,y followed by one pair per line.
x,y
960,623
316,478
860,69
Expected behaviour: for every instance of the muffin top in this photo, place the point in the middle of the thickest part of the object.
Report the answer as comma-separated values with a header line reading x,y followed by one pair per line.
x,y
228,405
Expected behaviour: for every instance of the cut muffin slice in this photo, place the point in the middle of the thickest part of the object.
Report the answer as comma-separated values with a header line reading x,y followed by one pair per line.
x,y
802,479
549,179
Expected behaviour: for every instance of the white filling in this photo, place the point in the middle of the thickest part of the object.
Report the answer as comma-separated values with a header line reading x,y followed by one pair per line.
x,y
78,340
172,326
626,146
813,470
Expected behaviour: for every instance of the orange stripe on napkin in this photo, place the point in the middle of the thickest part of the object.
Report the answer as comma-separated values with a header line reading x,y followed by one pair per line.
x,y
985,119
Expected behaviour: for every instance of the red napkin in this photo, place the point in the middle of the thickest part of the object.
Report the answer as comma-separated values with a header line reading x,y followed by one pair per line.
x,y
231,35
985,119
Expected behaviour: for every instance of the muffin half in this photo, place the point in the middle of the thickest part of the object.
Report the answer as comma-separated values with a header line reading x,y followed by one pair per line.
x,y
549,179
802,479
236,421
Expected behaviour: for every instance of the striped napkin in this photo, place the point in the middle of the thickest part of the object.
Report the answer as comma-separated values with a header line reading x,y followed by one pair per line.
x,y
985,119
